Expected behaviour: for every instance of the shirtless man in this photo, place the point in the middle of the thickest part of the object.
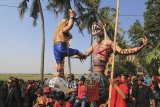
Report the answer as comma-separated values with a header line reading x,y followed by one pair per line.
x,y
61,40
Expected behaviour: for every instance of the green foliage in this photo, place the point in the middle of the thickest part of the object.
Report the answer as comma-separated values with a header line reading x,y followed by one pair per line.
x,y
150,56
152,21
125,67
59,7
154,54
23,7
105,15
136,32
34,12
62,6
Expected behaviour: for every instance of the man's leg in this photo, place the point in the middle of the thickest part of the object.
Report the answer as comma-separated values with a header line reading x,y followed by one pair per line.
x,y
60,69
72,52
83,103
72,98
61,73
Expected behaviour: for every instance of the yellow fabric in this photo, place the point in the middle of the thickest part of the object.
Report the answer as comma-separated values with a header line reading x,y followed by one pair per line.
x,y
40,100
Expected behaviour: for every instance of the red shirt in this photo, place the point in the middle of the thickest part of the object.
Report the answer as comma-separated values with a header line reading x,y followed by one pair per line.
x,y
56,104
81,91
116,99
68,104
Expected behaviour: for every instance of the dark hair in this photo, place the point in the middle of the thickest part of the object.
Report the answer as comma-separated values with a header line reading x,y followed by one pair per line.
x,y
60,95
125,76
82,78
71,75
116,75
140,78
1,82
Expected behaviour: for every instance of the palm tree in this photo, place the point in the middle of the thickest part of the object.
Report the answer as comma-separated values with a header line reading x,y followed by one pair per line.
x,y
35,9
62,6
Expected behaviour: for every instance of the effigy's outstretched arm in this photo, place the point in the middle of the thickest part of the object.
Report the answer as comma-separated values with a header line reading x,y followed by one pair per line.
x,y
90,50
131,50
70,22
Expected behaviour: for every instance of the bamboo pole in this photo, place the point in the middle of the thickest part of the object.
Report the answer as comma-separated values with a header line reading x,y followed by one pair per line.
x,y
115,37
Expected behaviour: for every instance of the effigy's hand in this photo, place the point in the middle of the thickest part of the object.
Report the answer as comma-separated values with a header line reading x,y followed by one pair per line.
x,y
72,13
144,40
79,57
82,58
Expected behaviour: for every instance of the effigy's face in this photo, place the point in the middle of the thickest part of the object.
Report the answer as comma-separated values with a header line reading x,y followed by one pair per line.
x,y
97,30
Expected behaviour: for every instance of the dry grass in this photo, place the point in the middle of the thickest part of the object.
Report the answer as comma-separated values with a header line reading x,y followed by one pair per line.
x,y
26,77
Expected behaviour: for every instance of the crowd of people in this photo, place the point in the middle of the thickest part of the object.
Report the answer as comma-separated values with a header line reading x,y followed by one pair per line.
x,y
127,91
18,93
135,91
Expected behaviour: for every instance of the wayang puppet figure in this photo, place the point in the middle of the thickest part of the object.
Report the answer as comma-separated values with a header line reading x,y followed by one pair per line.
x,y
61,40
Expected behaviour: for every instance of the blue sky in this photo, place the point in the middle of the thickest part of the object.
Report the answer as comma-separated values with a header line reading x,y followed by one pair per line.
x,y
20,42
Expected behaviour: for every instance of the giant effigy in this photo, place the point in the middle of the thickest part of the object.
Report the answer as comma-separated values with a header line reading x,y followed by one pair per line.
x,y
102,50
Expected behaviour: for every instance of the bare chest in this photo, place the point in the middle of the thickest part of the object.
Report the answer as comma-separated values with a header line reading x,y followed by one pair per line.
x,y
101,51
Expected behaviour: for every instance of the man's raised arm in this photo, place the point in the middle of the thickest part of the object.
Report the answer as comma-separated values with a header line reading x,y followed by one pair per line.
x,y
70,22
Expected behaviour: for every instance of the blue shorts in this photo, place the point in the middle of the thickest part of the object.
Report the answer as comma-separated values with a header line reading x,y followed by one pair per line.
x,y
61,51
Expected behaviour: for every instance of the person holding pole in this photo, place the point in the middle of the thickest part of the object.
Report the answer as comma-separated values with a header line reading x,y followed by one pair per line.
x,y
119,92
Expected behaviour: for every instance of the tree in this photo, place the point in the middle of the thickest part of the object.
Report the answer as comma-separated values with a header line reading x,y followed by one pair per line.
x,y
149,57
153,60
62,6
152,21
135,32
35,9
125,67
